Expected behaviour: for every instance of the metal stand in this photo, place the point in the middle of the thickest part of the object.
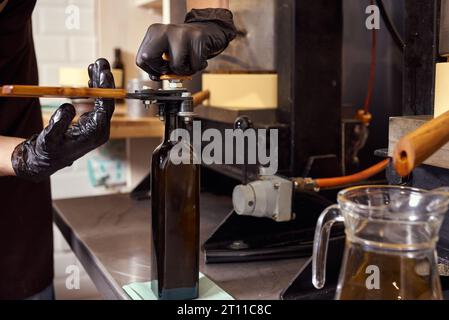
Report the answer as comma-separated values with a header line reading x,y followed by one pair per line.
x,y
244,239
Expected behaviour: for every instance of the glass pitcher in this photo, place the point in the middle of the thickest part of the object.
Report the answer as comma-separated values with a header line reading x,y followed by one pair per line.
x,y
391,236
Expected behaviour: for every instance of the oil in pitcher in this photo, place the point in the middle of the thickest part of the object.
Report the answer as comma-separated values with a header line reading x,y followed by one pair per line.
x,y
390,251
388,276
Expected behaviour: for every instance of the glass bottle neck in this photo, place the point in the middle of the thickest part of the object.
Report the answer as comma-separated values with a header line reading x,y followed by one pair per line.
x,y
118,55
171,124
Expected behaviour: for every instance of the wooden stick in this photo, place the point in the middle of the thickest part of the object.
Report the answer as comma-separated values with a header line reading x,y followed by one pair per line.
x,y
61,92
200,97
417,146
64,92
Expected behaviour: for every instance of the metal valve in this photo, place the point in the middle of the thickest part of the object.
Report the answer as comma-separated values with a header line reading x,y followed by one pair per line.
x,y
270,197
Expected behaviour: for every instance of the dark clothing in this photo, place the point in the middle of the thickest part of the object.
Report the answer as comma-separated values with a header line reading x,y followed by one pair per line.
x,y
26,239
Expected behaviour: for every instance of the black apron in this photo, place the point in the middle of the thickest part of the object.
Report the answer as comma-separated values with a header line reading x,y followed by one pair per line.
x,y
26,239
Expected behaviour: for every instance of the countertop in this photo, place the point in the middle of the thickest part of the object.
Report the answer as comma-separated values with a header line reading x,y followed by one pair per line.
x,y
111,237
123,127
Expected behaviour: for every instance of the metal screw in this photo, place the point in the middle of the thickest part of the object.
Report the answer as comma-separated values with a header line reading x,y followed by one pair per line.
x,y
147,104
238,245
277,185
175,84
187,119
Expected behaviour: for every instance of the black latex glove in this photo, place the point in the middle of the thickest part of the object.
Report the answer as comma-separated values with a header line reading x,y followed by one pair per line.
x,y
205,34
61,143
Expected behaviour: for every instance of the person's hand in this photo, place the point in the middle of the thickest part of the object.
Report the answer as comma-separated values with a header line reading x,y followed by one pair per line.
x,y
61,143
205,34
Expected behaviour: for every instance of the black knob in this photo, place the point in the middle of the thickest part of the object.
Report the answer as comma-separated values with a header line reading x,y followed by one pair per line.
x,y
243,123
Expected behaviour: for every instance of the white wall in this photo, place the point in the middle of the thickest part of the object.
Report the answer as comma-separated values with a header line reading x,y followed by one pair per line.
x,y
123,24
56,45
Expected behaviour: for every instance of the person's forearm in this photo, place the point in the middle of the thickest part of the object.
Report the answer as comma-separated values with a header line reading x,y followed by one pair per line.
x,y
203,4
7,146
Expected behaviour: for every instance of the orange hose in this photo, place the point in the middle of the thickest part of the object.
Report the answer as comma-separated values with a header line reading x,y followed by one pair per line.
x,y
358,177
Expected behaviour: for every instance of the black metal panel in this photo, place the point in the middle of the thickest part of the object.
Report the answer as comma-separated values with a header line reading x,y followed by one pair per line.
x,y
244,238
444,28
387,94
237,171
285,58
301,288
309,66
421,54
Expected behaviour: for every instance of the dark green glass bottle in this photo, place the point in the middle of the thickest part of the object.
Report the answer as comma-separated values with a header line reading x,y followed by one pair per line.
x,y
175,192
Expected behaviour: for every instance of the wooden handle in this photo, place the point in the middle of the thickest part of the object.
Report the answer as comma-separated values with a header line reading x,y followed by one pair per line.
x,y
200,97
417,146
61,92
64,92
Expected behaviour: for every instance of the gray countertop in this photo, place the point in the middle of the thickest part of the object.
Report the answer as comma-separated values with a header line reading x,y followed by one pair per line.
x,y
111,237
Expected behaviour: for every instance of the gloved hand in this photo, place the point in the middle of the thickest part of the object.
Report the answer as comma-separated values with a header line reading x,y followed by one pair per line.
x,y
61,143
205,34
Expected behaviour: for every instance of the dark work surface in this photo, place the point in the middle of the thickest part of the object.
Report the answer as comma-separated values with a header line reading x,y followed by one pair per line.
x,y
111,237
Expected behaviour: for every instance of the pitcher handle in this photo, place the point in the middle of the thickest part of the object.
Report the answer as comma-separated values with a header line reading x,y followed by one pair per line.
x,y
321,242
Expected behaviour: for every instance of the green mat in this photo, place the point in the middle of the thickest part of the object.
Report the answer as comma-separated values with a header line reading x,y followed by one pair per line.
x,y
208,291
